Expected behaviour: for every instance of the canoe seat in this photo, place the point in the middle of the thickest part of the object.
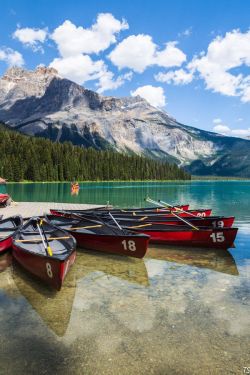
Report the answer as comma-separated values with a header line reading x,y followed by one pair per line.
x,y
38,247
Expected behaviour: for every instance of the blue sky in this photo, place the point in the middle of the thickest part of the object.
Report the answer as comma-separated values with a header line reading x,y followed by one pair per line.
x,y
190,57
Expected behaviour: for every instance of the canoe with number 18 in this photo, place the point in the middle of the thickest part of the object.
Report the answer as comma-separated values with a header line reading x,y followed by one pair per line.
x,y
99,236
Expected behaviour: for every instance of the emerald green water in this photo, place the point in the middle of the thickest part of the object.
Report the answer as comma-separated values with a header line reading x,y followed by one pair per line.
x,y
177,311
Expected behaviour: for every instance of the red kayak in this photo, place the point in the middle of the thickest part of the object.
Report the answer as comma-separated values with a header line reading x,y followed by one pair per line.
x,y
96,235
31,251
7,228
3,199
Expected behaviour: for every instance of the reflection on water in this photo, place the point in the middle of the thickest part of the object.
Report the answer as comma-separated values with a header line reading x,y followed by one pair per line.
x,y
215,259
177,311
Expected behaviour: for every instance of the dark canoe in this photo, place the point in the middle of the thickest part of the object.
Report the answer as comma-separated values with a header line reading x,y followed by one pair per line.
x,y
29,252
7,229
96,235
167,214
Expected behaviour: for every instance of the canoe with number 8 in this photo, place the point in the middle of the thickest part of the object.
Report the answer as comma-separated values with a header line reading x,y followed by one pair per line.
x,y
29,250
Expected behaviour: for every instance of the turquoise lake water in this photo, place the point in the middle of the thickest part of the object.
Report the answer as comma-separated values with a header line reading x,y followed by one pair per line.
x,y
177,311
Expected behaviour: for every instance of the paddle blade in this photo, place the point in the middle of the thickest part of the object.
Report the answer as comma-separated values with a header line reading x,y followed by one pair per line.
x,y
49,251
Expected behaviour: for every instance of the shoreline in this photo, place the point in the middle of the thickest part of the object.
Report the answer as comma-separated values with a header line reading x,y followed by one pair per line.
x,y
132,181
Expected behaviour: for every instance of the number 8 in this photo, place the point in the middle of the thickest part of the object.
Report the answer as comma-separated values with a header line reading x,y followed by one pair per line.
x,y
49,270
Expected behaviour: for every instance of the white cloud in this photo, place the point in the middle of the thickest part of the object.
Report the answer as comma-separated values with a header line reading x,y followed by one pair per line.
x,y
80,68
217,121
135,52
224,54
177,77
170,56
107,81
72,40
154,95
187,32
225,130
138,52
222,129
31,37
11,57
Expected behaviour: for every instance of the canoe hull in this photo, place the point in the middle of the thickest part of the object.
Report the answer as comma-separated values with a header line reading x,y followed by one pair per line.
x,y
211,238
134,246
50,270
3,199
5,244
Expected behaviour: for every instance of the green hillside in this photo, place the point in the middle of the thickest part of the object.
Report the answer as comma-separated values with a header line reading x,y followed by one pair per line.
x,y
38,159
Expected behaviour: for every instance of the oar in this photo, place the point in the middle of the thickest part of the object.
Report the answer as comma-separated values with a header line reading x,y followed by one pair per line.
x,y
179,217
112,217
48,248
178,209
39,230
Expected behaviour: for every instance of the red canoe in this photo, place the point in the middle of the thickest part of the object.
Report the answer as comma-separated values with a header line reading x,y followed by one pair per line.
x,y
3,199
210,221
186,236
30,252
160,214
94,235
7,228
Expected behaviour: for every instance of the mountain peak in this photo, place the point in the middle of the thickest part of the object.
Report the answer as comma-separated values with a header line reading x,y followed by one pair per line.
x,y
19,83
16,74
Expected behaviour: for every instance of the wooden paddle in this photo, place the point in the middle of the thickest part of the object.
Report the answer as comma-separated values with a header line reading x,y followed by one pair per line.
x,y
87,227
140,226
172,213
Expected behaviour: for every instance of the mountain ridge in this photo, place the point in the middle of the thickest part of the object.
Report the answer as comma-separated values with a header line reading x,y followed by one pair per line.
x,y
41,103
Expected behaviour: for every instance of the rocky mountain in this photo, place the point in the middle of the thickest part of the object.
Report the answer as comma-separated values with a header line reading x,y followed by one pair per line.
x,y
41,103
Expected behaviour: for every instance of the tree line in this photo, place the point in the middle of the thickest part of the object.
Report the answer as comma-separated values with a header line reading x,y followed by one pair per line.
x,y
37,159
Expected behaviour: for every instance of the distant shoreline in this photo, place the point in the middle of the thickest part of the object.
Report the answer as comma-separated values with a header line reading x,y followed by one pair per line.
x,y
194,178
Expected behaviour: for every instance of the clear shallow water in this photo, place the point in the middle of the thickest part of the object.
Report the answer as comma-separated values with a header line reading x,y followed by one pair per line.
x,y
175,312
